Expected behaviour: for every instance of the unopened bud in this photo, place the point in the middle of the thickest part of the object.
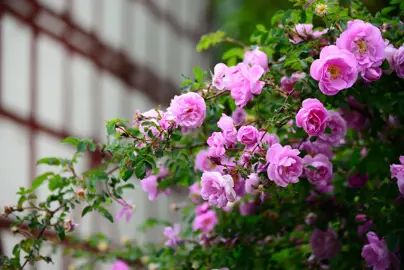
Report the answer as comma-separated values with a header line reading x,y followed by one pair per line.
x,y
102,246
321,10
144,259
81,194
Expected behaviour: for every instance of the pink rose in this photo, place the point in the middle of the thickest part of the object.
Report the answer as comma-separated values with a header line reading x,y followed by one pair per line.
x,y
389,52
120,265
205,222
195,191
376,253
325,244
248,135
398,62
312,117
256,57
216,144
189,110
304,32
337,125
356,180
172,233
371,74
243,82
247,208
365,42
239,116
397,171
202,161
229,131
336,70
288,84
317,147
218,76
252,183
285,166
318,170
150,185
217,189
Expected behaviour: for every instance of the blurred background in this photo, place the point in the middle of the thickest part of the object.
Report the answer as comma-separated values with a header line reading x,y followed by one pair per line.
x,y
69,65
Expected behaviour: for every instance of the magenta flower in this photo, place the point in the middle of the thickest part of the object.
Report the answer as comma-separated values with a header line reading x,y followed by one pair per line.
x,y
217,189
189,110
317,147
229,131
325,244
365,42
337,125
247,208
252,183
335,70
371,74
243,82
357,180
202,161
203,208
248,135
150,185
205,222
353,116
304,32
239,116
362,229
172,233
312,117
288,84
216,144
218,76
195,191
398,62
318,170
285,166
120,265
376,253
127,210
256,57
397,171
168,120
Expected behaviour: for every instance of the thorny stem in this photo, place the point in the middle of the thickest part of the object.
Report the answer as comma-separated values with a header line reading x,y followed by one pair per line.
x,y
217,94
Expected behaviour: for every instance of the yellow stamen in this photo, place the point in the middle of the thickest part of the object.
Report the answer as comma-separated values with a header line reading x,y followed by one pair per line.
x,y
334,71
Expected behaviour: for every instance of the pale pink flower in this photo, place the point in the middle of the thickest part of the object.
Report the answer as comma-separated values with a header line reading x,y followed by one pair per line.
x,y
216,144
205,222
127,210
217,189
120,265
173,235
189,110
202,161
256,57
150,185
248,135
285,166
376,253
318,170
229,130
304,32
312,117
218,76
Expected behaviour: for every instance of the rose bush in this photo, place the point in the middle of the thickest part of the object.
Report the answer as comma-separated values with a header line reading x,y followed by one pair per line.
x,y
307,173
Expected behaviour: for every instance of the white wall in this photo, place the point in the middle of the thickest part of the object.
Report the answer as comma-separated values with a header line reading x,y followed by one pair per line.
x,y
150,42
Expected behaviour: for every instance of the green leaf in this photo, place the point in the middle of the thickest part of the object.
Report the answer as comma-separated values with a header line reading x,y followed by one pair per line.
x,y
387,10
50,161
392,241
233,52
210,40
176,136
198,72
140,170
111,128
125,175
71,140
277,17
39,181
105,213
86,210
82,146
312,167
